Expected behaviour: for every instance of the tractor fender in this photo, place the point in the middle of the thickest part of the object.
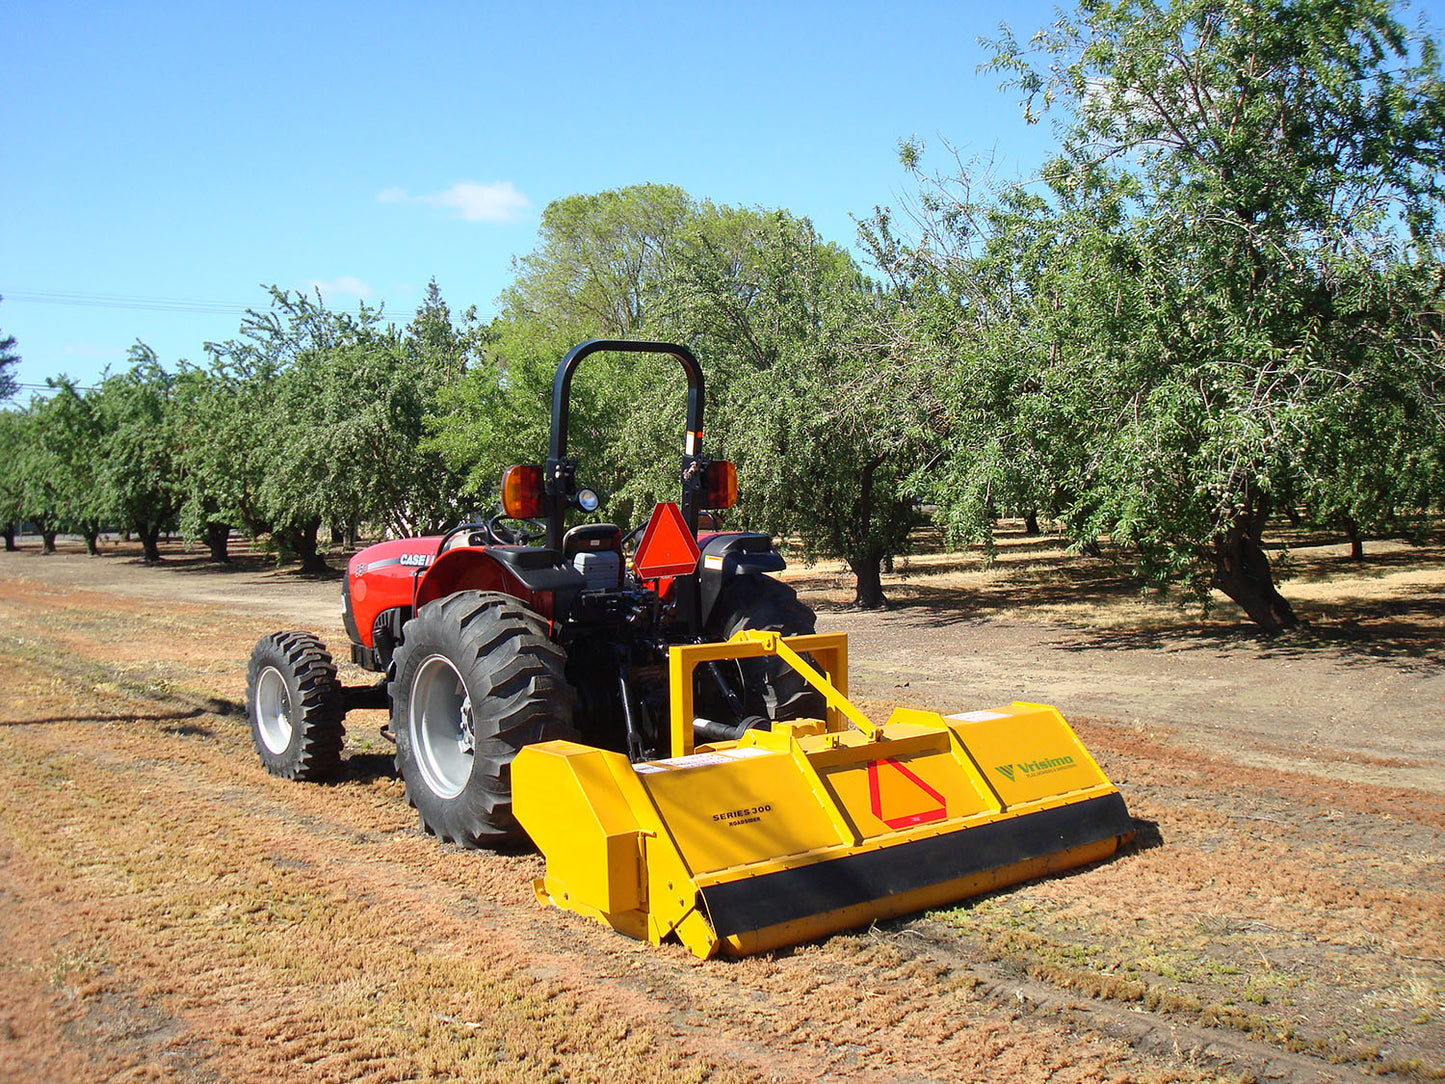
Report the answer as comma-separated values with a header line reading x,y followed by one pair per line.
x,y
741,553
536,577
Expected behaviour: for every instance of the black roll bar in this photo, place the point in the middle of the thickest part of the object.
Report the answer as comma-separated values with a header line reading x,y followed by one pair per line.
x,y
559,470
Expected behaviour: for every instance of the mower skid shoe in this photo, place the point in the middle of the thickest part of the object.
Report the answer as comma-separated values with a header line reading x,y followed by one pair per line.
x,y
789,835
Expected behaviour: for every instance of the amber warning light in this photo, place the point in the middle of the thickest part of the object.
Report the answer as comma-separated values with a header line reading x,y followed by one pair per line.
x,y
524,492
720,486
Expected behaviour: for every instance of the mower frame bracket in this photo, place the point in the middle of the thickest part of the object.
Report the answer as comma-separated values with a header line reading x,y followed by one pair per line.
x,y
829,650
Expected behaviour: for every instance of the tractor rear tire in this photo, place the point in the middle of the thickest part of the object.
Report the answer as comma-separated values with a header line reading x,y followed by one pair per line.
x,y
296,707
477,678
769,687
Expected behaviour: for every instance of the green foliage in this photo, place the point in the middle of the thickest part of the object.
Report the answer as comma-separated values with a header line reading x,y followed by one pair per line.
x,y
821,419
1228,292
9,358
326,421
600,260
308,418
600,269
818,424
58,442
14,434
137,470
222,413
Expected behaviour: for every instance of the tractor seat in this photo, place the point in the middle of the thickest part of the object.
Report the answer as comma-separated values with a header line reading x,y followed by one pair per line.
x,y
591,538
595,550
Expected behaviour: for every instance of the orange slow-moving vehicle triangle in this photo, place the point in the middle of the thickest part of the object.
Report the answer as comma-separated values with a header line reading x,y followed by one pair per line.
x,y
899,798
667,547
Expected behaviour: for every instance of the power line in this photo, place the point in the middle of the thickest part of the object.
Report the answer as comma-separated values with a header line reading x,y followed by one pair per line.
x,y
123,301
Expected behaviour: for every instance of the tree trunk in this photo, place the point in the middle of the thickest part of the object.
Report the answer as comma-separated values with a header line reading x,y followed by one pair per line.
x,y
47,536
9,533
1357,544
1031,521
1291,513
1242,571
217,537
91,534
867,568
870,584
302,541
150,542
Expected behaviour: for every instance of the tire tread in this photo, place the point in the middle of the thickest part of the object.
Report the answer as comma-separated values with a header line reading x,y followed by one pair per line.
x,y
320,728
507,660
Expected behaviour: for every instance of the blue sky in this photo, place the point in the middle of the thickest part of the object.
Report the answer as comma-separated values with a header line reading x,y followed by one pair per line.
x,y
194,152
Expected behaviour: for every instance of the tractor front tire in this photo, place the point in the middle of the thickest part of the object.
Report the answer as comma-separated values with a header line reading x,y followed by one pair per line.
x,y
768,687
477,678
296,707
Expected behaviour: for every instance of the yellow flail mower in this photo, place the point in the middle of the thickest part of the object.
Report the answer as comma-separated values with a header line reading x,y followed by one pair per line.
x,y
814,826
654,709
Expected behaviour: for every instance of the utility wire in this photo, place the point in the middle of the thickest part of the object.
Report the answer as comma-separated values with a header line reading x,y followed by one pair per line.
x,y
122,301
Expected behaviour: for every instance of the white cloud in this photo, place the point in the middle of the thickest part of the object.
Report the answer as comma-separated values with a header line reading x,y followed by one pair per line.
x,y
469,201
345,286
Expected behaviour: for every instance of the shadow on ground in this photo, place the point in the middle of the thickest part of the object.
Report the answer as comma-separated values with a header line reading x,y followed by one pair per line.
x,y
1359,627
176,717
366,768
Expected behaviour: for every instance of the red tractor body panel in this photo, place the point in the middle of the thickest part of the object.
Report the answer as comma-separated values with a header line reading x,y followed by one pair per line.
x,y
383,577
474,568
407,572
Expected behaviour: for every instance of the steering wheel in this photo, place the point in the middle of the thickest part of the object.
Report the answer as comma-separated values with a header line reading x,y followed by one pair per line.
x,y
510,531
458,529
630,539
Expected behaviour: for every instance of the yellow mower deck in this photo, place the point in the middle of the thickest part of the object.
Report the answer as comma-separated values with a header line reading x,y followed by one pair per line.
x,y
815,826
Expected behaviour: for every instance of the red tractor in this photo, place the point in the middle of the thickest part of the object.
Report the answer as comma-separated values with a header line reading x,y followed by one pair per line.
x,y
489,642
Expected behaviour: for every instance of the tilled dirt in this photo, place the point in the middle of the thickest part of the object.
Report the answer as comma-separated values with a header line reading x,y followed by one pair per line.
x,y
169,911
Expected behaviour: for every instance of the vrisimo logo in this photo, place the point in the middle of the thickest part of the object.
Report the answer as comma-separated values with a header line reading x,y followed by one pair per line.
x,y
1035,767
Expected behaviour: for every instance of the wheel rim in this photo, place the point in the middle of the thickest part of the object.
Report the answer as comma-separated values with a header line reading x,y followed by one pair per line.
x,y
273,710
442,734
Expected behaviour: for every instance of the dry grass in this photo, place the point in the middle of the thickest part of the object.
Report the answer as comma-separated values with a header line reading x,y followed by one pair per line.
x,y
168,911
171,912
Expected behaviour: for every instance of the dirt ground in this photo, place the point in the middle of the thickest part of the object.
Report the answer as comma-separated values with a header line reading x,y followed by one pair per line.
x,y
170,912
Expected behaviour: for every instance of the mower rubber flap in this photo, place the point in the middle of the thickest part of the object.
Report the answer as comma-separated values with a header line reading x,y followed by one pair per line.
x,y
815,826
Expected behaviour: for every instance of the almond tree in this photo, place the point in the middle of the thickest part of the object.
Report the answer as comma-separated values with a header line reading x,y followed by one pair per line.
x,y
820,413
137,473
315,418
784,324
12,482
1226,290
9,358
